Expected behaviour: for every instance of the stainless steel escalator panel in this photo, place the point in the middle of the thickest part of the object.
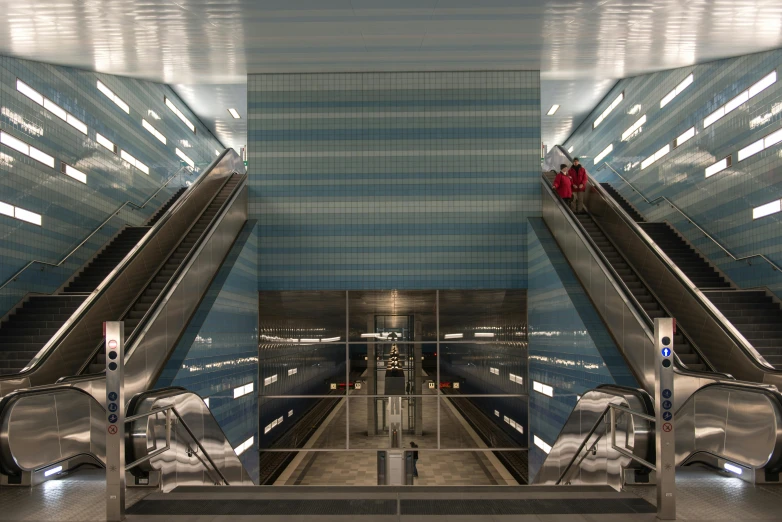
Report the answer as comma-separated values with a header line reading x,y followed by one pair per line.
x,y
736,422
180,466
605,466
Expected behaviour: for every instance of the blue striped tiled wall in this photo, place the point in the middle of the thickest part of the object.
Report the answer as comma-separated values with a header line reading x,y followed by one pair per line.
x,y
723,203
70,209
393,180
570,348
219,350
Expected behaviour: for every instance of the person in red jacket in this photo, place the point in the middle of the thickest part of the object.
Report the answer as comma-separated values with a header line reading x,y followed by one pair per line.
x,y
578,179
562,184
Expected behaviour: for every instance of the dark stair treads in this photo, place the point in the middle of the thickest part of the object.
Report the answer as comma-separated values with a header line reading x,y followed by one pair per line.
x,y
757,316
640,292
626,205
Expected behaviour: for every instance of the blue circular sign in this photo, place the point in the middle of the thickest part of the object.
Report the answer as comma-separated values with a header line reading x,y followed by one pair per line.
x,y
667,405
667,394
112,406
113,418
666,352
667,415
112,396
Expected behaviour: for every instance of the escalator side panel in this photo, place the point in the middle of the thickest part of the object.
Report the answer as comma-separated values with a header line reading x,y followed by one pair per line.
x,y
717,346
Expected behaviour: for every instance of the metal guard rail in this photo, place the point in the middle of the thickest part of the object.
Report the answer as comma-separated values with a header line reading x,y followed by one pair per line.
x,y
111,216
658,200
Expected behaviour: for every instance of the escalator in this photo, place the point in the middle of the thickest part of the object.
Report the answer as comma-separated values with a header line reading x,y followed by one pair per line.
x,y
71,350
160,286
33,324
631,279
754,313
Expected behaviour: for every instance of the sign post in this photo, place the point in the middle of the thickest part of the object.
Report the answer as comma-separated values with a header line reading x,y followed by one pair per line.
x,y
115,421
665,437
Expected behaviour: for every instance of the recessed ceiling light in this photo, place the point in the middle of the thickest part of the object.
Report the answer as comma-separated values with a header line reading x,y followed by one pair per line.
x,y
235,113
552,110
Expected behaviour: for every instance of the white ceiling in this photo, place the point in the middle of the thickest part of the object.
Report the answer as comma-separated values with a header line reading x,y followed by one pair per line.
x,y
207,47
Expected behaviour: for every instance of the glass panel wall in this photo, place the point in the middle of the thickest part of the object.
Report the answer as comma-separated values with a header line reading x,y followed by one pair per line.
x,y
345,374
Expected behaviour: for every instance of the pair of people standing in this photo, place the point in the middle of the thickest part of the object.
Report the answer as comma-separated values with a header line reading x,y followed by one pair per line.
x,y
571,184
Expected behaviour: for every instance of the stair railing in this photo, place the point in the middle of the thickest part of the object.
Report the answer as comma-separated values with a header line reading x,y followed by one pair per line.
x,y
97,229
658,200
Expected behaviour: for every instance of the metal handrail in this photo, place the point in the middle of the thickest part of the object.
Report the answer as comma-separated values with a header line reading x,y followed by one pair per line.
x,y
95,231
659,199
633,303
609,410
168,410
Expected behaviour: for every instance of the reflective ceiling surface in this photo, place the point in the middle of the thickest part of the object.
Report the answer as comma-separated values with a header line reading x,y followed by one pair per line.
x,y
207,47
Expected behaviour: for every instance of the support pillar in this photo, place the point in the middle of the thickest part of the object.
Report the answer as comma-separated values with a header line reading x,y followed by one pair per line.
x,y
418,379
371,380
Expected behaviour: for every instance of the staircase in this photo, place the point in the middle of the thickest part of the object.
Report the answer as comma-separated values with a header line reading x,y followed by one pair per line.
x,y
645,298
136,314
626,205
759,319
29,327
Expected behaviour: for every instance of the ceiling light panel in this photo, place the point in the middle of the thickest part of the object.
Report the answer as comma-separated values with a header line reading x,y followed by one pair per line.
x,y
234,113
554,108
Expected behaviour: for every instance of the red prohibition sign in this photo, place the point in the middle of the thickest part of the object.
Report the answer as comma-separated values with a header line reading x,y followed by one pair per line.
x,y
112,429
667,427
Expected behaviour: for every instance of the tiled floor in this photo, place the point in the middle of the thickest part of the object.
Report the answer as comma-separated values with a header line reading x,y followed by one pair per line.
x,y
434,467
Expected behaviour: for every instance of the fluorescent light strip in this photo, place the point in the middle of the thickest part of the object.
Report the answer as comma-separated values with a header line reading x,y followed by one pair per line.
x,y
51,471
756,88
767,209
102,140
50,106
102,87
554,108
496,413
750,150
484,334
241,391
269,380
20,214
234,113
27,150
290,413
179,114
731,467
244,446
718,167
125,155
454,336
656,156
495,371
633,128
684,137
292,371
605,152
679,88
541,444
156,133
545,389
608,110
516,378
330,339
570,150
184,157
74,173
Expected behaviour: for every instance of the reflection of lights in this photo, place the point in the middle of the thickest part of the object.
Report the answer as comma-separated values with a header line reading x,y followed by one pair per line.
x,y
18,119
484,334
454,336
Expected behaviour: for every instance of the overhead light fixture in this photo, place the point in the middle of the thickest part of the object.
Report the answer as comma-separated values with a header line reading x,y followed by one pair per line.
x,y
605,152
484,334
608,110
454,336
330,339
551,111
366,335
305,340
570,150
235,113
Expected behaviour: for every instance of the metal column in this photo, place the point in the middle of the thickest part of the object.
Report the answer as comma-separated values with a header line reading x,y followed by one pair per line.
x,y
115,421
371,383
665,436
418,376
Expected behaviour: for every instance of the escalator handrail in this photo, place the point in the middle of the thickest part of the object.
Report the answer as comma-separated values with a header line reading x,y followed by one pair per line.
x,y
658,200
46,351
133,301
625,293
755,357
